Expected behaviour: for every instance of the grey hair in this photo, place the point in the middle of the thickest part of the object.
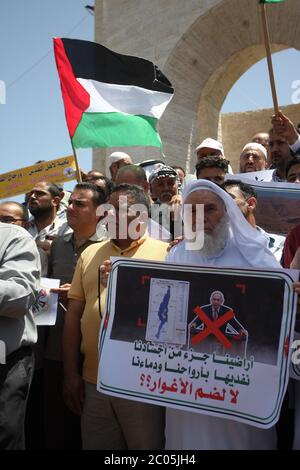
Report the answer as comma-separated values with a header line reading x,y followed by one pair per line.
x,y
219,293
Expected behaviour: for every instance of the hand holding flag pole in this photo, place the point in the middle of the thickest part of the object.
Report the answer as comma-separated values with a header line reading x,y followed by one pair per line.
x,y
268,51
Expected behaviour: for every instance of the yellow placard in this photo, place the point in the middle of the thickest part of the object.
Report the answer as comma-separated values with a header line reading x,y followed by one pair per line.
x,y
22,181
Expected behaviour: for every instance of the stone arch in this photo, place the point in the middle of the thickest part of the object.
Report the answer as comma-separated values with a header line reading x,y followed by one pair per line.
x,y
207,61
220,83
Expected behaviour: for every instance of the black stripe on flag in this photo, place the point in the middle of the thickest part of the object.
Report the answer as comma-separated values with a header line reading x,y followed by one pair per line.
x,y
93,61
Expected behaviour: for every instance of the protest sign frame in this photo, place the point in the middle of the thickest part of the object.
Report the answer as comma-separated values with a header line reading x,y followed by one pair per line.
x,y
278,208
22,180
122,349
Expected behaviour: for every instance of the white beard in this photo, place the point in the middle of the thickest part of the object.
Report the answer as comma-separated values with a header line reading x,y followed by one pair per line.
x,y
214,243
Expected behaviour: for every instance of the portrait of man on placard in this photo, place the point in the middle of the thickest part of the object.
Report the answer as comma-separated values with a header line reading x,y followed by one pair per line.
x,y
215,329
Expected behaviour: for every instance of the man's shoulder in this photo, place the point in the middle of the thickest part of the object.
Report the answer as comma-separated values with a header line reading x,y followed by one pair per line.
x,y
177,249
152,249
13,231
61,243
294,232
100,251
206,307
17,240
95,249
225,308
155,242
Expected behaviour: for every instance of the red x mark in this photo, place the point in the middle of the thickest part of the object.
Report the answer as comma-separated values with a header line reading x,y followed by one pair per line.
x,y
213,327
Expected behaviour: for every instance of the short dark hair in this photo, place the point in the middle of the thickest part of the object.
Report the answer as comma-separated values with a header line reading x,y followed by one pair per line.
x,y
294,161
53,189
134,191
98,197
246,189
212,161
22,207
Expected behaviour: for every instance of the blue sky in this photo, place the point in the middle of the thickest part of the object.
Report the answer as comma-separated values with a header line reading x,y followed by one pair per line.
x,y
32,120
252,90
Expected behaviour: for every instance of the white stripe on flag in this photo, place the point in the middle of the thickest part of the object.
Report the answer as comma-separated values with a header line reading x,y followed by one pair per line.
x,y
111,98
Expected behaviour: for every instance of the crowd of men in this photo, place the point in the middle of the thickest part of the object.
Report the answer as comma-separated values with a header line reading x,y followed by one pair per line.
x,y
48,396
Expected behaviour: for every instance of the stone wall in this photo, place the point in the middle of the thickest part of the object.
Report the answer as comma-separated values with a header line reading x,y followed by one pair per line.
x,y
238,128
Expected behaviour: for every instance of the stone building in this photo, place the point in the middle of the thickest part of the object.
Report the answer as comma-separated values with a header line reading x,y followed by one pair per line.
x,y
236,129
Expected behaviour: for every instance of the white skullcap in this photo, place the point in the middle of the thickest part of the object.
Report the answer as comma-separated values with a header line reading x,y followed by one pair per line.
x,y
113,158
255,146
210,144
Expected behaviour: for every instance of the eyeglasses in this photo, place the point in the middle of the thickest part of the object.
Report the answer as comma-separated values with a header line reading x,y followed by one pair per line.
x,y
6,219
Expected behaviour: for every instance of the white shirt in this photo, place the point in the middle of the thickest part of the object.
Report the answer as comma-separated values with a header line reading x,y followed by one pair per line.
x,y
296,146
57,228
274,242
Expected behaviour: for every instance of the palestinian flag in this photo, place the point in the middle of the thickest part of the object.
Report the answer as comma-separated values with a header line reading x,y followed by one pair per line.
x,y
110,99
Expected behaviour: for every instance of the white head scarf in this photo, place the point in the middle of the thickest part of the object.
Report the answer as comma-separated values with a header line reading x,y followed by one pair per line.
x,y
247,240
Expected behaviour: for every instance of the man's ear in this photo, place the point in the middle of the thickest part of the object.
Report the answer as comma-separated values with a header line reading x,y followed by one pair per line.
x,y
113,167
61,195
55,201
252,203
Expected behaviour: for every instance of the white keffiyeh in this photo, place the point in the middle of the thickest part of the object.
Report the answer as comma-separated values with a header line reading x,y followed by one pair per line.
x,y
246,246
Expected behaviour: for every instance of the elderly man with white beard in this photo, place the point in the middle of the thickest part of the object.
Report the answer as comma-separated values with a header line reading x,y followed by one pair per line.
x,y
229,240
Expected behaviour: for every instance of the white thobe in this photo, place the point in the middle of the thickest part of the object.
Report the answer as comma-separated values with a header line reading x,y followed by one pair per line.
x,y
186,430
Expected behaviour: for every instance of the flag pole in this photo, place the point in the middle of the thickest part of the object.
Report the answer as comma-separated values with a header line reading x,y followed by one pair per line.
x,y
269,58
78,172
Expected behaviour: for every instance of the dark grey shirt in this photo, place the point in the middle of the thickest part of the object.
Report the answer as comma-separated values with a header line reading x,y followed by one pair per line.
x,y
62,264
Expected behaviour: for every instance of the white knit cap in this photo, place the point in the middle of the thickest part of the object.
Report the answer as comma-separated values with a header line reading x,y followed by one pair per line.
x,y
113,158
255,146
